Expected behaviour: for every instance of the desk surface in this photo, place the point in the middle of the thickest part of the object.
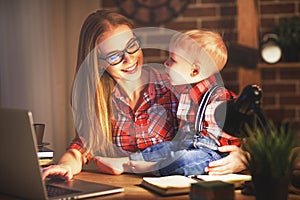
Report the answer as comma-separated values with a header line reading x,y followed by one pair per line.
x,y
133,190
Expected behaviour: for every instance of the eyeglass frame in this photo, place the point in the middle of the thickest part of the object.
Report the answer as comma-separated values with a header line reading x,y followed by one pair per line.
x,y
125,50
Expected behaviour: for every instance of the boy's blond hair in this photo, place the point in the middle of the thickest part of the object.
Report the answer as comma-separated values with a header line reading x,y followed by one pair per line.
x,y
192,42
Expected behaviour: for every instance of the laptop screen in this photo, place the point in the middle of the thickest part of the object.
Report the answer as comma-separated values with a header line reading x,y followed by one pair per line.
x,y
20,171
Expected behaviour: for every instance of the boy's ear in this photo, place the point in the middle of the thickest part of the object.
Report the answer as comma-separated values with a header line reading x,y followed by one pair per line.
x,y
195,70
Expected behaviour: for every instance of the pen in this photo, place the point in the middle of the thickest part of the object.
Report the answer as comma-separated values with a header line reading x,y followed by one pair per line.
x,y
195,177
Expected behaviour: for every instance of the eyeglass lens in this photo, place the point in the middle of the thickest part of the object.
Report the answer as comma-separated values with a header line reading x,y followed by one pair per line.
x,y
118,57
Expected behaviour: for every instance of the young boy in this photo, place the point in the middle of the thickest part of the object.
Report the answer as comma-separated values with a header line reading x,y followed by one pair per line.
x,y
195,57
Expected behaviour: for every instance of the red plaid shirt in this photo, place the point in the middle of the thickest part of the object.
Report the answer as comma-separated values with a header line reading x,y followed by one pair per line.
x,y
153,121
190,96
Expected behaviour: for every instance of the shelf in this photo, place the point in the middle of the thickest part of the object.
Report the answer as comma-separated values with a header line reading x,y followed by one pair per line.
x,y
279,65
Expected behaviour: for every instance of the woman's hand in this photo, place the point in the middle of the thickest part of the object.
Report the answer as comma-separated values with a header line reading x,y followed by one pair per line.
x,y
58,170
233,163
69,165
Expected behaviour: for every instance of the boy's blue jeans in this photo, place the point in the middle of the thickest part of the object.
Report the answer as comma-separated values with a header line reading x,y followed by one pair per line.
x,y
184,157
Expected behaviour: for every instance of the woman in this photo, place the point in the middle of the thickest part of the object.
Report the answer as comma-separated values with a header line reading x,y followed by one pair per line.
x,y
134,107
119,105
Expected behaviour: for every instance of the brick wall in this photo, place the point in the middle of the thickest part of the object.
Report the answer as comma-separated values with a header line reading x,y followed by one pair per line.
x,y
219,15
272,11
281,85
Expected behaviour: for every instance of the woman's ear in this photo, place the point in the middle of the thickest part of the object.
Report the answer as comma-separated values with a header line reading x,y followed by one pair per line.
x,y
195,70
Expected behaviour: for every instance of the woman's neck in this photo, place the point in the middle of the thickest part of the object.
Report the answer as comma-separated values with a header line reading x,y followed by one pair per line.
x,y
133,89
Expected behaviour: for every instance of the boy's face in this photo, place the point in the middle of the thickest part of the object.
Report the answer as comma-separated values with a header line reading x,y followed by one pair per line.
x,y
179,69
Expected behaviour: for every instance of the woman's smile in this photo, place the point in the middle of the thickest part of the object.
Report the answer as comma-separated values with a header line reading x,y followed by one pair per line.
x,y
131,69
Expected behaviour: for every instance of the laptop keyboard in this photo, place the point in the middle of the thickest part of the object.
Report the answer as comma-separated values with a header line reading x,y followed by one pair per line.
x,y
54,191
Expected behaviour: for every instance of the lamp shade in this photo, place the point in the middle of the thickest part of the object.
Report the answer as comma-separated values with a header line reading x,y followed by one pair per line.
x,y
270,49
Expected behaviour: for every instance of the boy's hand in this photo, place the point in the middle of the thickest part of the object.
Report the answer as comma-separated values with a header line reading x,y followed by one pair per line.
x,y
115,166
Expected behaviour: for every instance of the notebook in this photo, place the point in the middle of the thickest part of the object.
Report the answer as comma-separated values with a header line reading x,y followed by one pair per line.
x,y
20,171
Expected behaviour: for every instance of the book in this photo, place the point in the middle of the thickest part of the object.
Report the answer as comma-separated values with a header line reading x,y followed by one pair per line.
x,y
229,178
235,179
168,185
45,161
178,184
44,152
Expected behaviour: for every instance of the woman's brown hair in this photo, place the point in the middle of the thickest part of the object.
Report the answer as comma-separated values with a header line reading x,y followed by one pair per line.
x,y
95,25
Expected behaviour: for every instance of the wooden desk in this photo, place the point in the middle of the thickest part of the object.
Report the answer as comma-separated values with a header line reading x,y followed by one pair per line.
x,y
133,190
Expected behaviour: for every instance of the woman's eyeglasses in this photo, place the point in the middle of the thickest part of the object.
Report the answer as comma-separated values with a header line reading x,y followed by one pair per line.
x,y
115,58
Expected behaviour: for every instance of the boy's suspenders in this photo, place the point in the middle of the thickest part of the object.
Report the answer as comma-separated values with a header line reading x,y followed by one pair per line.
x,y
202,107
201,115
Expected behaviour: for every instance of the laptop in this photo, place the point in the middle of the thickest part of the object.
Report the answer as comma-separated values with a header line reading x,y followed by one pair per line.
x,y
20,171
